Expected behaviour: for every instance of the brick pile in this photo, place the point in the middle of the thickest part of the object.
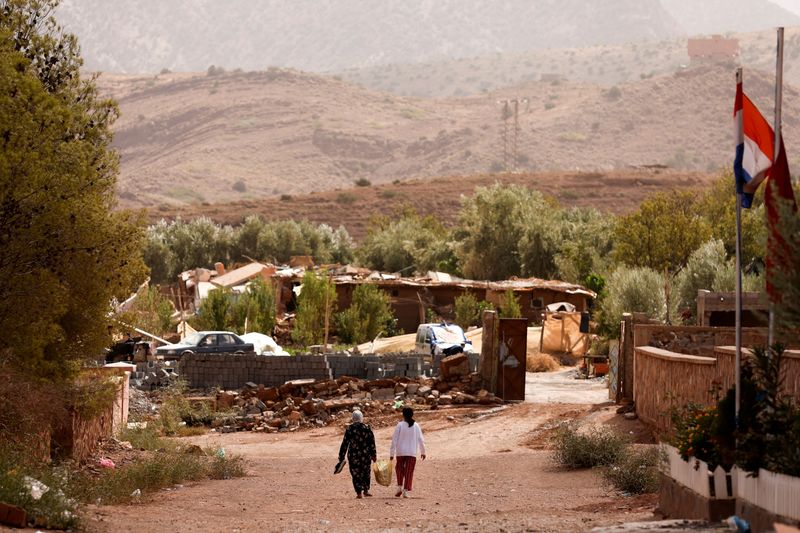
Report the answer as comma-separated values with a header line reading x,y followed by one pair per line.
x,y
313,403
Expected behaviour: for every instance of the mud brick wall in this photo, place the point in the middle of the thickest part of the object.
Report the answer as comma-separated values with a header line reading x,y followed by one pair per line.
x,y
664,380
232,371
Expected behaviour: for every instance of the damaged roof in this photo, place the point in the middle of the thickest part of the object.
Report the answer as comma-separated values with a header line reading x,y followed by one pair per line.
x,y
348,274
243,275
441,279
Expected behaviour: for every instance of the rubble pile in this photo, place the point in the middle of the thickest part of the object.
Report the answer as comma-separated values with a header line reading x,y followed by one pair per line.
x,y
140,405
310,403
151,375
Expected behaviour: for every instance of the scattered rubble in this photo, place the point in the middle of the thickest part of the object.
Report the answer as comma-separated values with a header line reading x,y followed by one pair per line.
x,y
310,403
151,375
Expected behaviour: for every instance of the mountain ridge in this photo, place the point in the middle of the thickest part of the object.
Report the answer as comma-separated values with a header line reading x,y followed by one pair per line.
x,y
187,139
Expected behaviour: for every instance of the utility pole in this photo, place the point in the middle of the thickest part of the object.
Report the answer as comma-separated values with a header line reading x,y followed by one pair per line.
x,y
511,108
505,116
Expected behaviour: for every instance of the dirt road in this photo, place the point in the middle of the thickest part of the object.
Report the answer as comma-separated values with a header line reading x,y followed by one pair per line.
x,y
484,472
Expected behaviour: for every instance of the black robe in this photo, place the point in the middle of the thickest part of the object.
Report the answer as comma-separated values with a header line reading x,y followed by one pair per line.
x,y
359,444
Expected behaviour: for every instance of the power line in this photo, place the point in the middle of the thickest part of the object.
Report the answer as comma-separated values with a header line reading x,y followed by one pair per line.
x,y
511,109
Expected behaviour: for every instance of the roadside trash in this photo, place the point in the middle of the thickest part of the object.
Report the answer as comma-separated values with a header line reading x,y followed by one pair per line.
x,y
221,453
383,472
136,493
107,463
35,487
398,404
137,425
737,524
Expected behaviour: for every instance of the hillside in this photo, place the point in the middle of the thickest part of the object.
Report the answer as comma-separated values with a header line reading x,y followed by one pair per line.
x,y
333,35
605,65
327,35
244,136
616,192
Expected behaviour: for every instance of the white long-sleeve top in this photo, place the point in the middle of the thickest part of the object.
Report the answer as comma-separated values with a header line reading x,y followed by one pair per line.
x,y
406,441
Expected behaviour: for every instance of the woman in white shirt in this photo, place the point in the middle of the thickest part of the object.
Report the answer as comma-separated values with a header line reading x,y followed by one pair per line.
x,y
406,442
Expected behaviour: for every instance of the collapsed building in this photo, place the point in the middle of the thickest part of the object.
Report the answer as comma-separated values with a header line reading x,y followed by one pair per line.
x,y
411,298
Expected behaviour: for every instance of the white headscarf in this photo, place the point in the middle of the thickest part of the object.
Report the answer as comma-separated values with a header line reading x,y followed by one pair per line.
x,y
358,416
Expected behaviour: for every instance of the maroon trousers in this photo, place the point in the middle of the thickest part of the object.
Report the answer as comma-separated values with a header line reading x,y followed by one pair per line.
x,y
405,471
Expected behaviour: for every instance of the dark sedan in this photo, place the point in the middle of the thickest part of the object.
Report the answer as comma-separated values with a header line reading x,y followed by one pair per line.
x,y
206,342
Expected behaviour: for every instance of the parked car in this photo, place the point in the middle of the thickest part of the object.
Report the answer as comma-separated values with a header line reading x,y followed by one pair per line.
x,y
127,349
206,342
447,339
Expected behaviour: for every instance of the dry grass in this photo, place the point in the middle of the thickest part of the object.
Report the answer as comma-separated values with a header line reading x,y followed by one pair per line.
x,y
541,362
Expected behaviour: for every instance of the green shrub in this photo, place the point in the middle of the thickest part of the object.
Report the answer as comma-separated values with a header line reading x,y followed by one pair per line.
x,y
147,438
213,312
573,136
636,470
151,311
510,307
363,182
497,166
147,475
176,412
466,310
614,93
54,509
367,316
701,270
225,467
314,305
469,311
631,290
261,309
587,449
346,198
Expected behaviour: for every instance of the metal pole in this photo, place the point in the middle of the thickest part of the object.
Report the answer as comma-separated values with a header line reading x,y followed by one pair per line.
x,y
738,285
777,128
516,132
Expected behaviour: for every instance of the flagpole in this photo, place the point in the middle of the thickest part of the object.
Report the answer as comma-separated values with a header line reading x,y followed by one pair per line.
x,y
738,286
777,130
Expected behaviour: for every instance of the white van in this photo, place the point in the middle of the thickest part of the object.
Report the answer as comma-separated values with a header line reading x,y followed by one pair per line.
x,y
447,339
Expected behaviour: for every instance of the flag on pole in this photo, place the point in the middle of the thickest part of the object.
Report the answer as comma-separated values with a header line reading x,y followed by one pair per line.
x,y
754,146
754,162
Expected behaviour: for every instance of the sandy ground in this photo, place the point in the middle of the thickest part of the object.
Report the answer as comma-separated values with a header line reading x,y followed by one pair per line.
x,y
487,469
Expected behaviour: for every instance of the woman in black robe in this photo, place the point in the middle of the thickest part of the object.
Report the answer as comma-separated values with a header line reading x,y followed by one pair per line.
x,y
359,444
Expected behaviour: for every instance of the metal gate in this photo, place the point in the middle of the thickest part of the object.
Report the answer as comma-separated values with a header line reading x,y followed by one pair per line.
x,y
512,347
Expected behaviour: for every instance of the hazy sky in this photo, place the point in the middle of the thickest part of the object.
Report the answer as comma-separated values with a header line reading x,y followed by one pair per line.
x,y
791,5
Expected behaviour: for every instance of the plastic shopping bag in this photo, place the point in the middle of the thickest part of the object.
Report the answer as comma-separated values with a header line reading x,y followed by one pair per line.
x,y
383,472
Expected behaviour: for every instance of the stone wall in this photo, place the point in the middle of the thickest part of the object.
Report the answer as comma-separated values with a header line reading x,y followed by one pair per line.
x,y
664,380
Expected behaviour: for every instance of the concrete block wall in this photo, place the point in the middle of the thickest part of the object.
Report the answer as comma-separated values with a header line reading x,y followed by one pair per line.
x,y
376,367
232,371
